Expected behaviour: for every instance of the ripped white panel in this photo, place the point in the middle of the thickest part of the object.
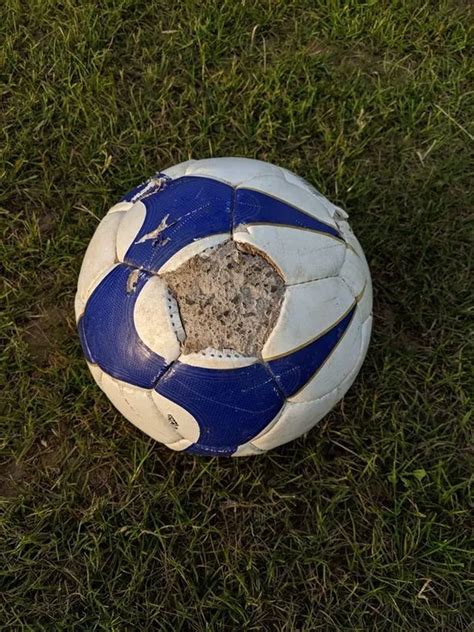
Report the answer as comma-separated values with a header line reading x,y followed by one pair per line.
x,y
157,321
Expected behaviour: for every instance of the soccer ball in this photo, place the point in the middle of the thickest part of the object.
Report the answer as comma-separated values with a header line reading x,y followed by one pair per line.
x,y
224,306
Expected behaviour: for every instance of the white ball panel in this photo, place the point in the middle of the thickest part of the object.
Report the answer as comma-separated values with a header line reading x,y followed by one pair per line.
x,y
120,206
233,171
336,211
136,405
308,310
191,250
351,239
217,359
247,449
295,420
302,199
338,365
366,332
96,372
129,228
182,420
332,209
353,272
365,301
157,321
351,377
100,257
79,306
179,446
299,255
300,182
357,269
179,170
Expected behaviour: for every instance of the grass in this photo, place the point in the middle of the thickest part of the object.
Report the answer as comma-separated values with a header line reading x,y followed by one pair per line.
x,y
363,524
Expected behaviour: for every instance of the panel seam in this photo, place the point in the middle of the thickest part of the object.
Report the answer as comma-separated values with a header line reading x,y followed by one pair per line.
x,y
170,366
232,212
273,378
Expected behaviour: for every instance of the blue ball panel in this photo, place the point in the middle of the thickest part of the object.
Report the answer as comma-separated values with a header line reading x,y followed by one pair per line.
x,y
295,369
195,207
135,191
108,335
230,405
209,450
253,207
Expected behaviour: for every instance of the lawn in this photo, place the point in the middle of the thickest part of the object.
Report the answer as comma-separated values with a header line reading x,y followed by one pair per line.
x,y
364,523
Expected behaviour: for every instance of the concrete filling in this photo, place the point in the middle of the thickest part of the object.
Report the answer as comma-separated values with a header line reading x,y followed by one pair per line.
x,y
228,298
